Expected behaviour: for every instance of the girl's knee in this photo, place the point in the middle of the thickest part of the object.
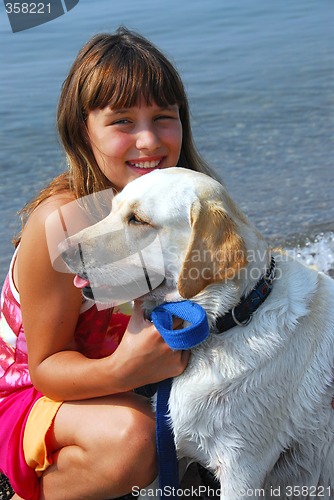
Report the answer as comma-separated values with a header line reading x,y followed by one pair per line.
x,y
139,434
132,459
130,440
140,427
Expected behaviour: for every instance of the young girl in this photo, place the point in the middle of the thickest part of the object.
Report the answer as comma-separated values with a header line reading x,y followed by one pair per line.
x,y
71,426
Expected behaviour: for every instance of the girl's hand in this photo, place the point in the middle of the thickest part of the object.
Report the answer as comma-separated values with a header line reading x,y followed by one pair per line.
x,y
143,356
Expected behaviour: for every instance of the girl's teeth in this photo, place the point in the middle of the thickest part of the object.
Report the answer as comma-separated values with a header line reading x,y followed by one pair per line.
x,y
148,164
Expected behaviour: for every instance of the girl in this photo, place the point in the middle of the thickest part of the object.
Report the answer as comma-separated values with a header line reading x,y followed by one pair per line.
x,y
71,426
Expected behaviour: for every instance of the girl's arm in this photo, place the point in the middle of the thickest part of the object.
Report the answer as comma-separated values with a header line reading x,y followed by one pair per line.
x,y
50,305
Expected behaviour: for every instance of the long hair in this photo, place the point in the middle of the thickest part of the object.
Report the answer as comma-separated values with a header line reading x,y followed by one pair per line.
x,y
115,70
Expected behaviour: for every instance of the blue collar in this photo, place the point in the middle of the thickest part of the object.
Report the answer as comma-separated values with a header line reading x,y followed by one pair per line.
x,y
242,313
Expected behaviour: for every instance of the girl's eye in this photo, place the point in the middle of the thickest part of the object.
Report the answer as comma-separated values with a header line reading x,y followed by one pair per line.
x,y
124,121
165,117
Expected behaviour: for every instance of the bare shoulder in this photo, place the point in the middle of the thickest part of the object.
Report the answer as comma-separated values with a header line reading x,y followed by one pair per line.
x,y
38,260
44,227
48,206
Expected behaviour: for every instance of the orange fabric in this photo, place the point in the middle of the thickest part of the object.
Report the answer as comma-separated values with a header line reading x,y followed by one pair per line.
x,y
38,424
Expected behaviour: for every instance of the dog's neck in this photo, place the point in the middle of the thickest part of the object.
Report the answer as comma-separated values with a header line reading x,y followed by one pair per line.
x,y
221,297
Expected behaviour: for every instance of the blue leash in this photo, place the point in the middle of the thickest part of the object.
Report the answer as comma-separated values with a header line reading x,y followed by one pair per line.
x,y
186,338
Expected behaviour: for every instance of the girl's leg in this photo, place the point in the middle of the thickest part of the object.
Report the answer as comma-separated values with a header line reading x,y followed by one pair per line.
x,y
102,448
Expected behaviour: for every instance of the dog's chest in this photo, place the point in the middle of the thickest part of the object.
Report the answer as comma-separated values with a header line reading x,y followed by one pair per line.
x,y
207,401
198,405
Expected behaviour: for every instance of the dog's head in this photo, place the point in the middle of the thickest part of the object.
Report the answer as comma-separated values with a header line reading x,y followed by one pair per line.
x,y
170,234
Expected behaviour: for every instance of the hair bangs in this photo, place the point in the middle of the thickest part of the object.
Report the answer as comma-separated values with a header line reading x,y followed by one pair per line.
x,y
124,78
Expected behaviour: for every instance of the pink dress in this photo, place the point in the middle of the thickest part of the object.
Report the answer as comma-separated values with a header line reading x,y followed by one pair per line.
x,y
98,333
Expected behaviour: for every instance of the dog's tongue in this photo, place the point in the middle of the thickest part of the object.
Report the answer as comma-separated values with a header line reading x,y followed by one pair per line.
x,y
80,282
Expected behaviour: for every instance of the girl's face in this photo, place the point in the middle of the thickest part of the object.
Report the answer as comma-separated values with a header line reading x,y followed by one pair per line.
x,y
131,142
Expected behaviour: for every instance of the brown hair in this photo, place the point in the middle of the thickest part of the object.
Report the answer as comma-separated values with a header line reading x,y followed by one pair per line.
x,y
116,70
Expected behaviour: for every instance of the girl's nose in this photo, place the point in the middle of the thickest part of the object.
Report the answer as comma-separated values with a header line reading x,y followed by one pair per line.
x,y
147,138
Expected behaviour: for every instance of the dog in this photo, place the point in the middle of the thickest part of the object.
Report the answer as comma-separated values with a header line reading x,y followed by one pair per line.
x,y
254,405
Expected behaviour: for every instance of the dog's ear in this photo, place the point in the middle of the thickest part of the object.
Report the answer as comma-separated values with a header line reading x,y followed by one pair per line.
x,y
216,251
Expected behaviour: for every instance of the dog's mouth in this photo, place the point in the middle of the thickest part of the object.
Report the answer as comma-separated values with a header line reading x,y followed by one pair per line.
x,y
101,292
84,284
88,293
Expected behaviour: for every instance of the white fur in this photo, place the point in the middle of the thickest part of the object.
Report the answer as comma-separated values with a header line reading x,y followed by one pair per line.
x,y
254,404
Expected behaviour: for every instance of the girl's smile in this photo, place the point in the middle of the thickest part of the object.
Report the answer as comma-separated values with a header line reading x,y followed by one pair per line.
x,y
144,165
131,142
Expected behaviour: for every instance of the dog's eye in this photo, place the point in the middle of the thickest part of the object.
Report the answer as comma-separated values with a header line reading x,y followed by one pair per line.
x,y
134,219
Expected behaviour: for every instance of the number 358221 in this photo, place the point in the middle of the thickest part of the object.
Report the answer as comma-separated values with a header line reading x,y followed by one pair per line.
x,y
28,8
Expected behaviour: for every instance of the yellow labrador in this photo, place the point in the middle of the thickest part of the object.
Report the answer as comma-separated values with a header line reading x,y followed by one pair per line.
x,y
254,404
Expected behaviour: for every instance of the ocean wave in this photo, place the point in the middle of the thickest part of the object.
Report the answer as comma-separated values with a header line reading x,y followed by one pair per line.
x,y
316,252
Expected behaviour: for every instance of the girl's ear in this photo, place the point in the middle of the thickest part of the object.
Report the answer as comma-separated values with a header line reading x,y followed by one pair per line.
x,y
216,251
